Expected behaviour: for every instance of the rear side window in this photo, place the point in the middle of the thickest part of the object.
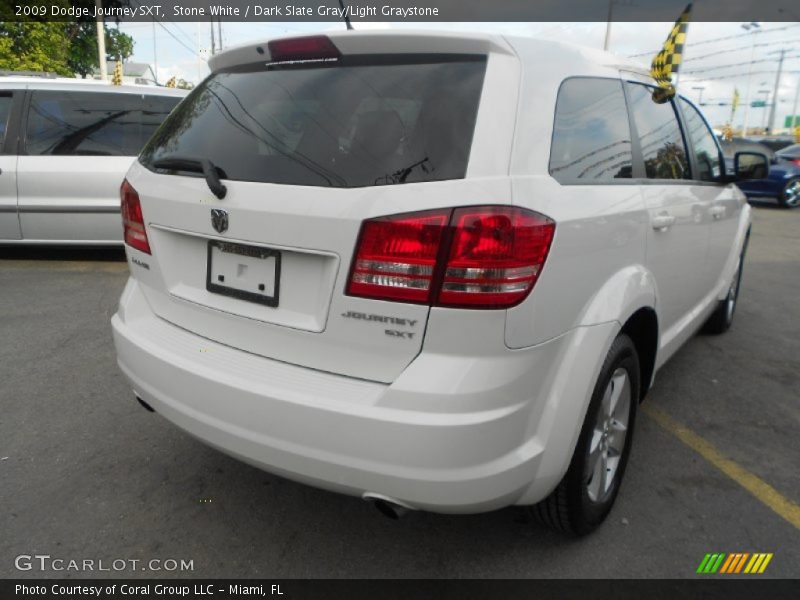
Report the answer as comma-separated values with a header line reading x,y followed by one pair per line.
x,y
659,133
591,137
5,110
363,121
93,124
706,151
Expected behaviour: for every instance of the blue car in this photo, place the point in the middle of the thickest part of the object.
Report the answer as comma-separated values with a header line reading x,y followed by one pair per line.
x,y
783,181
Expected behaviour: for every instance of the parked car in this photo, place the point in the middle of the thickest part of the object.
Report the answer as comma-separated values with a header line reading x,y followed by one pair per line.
x,y
790,153
776,143
65,145
435,271
783,180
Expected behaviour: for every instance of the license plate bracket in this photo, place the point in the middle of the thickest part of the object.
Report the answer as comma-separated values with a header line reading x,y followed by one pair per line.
x,y
249,273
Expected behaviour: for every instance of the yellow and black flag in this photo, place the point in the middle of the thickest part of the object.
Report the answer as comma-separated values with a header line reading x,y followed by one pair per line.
x,y
116,78
668,61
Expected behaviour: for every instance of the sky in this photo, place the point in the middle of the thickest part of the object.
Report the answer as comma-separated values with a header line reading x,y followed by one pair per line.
x,y
712,67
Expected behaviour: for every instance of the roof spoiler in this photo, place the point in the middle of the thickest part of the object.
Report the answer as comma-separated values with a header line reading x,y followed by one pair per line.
x,y
332,45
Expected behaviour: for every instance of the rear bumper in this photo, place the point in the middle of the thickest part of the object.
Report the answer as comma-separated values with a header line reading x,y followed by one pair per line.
x,y
472,452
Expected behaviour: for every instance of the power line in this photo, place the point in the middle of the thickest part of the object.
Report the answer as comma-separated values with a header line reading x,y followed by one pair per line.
x,y
738,48
730,65
727,37
193,51
173,36
181,31
734,75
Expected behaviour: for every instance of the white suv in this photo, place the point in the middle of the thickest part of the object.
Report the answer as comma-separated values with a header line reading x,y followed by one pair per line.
x,y
434,271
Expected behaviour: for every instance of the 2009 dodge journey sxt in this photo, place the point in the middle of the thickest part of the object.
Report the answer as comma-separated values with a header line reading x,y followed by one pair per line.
x,y
435,271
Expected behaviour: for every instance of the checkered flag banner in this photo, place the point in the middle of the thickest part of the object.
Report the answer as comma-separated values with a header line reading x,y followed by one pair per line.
x,y
668,61
116,78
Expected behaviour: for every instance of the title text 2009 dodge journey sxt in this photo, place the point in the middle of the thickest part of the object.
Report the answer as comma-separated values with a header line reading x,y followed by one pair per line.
x,y
434,271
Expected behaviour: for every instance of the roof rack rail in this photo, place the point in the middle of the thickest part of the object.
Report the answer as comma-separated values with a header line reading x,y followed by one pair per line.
x,y
42,74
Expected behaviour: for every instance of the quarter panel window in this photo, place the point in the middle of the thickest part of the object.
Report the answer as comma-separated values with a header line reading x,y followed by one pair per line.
x,y
706,150
659,133
591,135
5,110
91,124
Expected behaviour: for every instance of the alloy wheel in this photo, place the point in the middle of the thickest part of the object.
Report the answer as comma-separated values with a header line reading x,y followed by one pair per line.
x,y
791,193
608,436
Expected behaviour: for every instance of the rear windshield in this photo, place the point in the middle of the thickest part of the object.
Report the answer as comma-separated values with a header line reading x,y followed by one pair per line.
x,y
361,121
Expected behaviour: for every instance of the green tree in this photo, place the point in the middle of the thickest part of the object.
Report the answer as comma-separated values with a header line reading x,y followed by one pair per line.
x,y
34,47
82,57
65,47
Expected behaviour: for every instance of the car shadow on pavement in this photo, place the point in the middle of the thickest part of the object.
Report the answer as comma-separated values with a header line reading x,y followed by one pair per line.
x,y
64,253
765,203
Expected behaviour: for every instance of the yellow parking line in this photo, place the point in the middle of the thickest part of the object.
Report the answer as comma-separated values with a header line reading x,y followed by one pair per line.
x,y
759,488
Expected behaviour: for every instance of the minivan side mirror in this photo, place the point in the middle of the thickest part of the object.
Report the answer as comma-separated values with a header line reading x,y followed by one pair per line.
x,y
750,165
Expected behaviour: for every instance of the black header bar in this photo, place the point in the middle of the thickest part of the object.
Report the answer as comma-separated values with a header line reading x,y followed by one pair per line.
x,y
401,10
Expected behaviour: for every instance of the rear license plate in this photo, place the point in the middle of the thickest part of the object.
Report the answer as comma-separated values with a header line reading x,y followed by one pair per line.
x,y
245,272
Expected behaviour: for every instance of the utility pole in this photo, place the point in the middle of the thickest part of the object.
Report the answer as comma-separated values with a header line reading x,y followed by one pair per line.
x,y
199,54
219,32
213,43
775,92
155,53
756,28
795,118
766,103
101,42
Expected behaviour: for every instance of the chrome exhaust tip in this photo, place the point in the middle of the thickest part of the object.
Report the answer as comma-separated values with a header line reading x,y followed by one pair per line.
x,y
388,507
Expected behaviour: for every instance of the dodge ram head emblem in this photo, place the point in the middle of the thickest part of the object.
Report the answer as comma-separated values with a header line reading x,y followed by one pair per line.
x,y
219,219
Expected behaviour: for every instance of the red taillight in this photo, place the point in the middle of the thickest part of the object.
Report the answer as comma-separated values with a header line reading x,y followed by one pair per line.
x,y
132,219
495,257
474,257
313,47
796,161
396,256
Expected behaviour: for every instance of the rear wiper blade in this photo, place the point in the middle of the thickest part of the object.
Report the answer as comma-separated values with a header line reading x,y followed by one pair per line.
x,y
401,175
199,165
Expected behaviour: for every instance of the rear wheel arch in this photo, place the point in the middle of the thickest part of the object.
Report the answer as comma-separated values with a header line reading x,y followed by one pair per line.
x,y
642,328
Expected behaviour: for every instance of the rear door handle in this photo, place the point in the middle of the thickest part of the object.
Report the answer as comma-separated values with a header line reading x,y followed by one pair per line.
x,y
717,211
662,222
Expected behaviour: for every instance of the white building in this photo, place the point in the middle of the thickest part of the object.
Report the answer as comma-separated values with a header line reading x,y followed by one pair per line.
x,y
135,73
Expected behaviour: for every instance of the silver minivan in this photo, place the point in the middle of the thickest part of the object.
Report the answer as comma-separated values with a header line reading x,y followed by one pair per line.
x,y
65,145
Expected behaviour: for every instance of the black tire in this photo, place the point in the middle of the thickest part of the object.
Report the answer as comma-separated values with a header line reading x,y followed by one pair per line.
x,y
569,508
790,194
721,319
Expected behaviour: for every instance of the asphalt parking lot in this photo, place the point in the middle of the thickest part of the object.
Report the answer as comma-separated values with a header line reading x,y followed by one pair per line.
x,y
85,472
